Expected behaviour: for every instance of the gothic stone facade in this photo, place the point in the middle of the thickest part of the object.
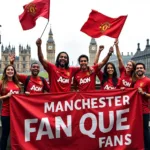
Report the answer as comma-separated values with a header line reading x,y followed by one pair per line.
x,y
143,56
22,62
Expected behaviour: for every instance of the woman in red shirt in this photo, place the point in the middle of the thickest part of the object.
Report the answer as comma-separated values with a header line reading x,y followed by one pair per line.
x,y
109,77
9,85
126,72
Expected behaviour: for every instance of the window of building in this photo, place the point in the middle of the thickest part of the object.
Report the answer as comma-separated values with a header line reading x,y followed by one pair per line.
x,y
24,58
24,66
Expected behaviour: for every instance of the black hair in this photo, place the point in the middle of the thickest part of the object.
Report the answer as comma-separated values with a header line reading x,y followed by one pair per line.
x,y
106,75
81,56
34,63
140,63
57,60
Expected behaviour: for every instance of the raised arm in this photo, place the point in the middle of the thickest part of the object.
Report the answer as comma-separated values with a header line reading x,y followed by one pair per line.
x,y
105,60
40,54
11,58
101,47
120,60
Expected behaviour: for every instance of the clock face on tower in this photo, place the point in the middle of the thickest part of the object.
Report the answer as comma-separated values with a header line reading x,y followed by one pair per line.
x,y
50,47
93,48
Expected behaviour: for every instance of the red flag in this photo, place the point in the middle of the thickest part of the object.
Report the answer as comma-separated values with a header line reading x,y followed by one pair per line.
x,y
32,11
99,24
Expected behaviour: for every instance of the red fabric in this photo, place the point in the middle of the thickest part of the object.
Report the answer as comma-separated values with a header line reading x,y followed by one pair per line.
x,y
14,89
125,80
60,79
84,80
32,11
109,116
99,24
108,85
144,83
35,85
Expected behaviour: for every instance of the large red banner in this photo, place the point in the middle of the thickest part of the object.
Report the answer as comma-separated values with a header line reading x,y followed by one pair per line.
x,y
77,121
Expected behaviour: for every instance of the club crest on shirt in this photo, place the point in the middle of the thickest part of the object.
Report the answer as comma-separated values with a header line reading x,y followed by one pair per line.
x,y
68,73
87,73
141,84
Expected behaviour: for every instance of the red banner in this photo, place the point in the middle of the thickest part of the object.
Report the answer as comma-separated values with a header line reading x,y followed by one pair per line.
x,y
77,121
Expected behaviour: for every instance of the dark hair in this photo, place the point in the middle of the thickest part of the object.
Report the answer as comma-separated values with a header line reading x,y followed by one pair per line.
x,y
57,60
106,75
140,63
34,63
5,78
81,56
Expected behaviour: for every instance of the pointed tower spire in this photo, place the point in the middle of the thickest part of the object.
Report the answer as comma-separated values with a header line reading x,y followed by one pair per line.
x,y
50,37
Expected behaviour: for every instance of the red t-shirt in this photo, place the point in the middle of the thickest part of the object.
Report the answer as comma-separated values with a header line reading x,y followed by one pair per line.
x,y
60,78
125,79
144,83
85,80
14,89
108,85
35,84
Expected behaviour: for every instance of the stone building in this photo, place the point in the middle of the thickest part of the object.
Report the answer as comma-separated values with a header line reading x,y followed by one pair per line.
x,y
50,47
143,56
22,62
92,51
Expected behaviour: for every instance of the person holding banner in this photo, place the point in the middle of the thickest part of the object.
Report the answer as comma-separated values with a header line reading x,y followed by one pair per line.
x,y
32,83
143,85
60,74
9,85
83,80
126,72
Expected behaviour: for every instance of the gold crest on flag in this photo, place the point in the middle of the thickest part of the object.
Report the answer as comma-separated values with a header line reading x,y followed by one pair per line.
x,y
31,8
103,27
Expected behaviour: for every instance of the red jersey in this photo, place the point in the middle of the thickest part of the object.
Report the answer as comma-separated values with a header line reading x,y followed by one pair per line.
x,y
14,89
84,80
60,78
125,79
35,84
108,85
144,83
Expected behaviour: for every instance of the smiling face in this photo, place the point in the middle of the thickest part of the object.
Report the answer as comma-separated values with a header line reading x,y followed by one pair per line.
x,y
110,69
10,72
63,60
129,67
35,69
140,70
83,63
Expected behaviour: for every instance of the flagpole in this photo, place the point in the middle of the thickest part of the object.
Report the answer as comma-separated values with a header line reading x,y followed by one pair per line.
x,y
44,30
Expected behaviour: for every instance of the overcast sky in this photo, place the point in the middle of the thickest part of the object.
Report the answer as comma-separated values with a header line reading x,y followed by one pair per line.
x,y
66,19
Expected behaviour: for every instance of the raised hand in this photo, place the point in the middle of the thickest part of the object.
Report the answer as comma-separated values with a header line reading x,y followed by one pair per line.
x,y
101,47
38,42
116,42
11,58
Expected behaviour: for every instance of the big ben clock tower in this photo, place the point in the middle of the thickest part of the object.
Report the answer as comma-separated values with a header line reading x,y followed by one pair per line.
x,y
50,47
92,51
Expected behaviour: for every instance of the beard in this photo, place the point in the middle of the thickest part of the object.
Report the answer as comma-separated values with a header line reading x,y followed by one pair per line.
x,y
62,65
140,73
35,73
